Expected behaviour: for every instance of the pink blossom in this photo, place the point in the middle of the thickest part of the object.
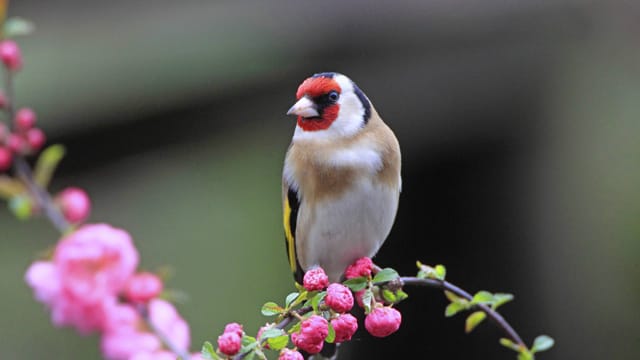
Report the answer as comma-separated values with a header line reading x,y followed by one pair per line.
x,y
95,262
345,326
315,279
312,333
74,204
383,321
25,119
10,55
35,138
288,354
339,298
143,287
89,269
6,158
229,343
234,327
360,267
127,335
157,355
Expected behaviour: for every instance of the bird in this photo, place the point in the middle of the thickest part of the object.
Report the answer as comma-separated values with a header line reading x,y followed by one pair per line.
x,y
341,179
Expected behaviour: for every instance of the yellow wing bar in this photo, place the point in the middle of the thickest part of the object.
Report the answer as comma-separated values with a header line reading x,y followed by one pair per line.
x,y
288,234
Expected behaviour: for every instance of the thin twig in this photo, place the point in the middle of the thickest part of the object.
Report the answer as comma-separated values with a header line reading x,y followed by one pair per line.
x,y
492,314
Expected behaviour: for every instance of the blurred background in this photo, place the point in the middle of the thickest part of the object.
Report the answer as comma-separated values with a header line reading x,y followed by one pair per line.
x,y
518,120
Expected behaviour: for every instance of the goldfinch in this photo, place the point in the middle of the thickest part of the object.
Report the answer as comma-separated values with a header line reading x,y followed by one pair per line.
x,y
341,179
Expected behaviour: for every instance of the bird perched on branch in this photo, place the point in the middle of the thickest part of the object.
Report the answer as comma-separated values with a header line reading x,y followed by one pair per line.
x,y
341,180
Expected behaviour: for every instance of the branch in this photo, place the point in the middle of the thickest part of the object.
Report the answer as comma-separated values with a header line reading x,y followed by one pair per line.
x,y
492,314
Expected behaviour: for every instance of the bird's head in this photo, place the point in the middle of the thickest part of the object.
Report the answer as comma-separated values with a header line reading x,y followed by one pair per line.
x,y
329,105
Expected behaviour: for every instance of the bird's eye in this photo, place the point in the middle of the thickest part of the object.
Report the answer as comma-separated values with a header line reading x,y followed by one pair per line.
x,y
333,95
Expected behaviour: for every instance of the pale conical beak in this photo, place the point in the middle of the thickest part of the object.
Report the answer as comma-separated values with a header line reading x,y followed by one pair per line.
x,y
304,107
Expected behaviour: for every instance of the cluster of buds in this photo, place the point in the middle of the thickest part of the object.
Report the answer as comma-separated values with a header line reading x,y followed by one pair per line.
x,y
23,138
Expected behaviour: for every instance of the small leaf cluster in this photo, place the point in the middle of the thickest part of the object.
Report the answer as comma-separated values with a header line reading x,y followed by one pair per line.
x,y
540,344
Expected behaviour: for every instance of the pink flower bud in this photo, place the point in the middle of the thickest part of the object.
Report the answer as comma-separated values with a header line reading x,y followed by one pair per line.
x,y
315,279
312,333
10,55
339,298
288,354
234,327
143,287
229,343
6,158
25,119
383,321
75,204
35,139
361,267
345,326
16,143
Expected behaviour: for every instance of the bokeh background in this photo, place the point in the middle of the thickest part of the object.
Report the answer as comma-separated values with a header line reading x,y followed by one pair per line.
x,y
519,124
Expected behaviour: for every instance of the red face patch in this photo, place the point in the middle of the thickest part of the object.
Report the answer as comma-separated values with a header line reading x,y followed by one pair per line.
x,y
315,87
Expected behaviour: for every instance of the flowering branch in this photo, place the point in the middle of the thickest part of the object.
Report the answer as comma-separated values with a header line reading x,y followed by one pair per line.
x,y
322,311
89,283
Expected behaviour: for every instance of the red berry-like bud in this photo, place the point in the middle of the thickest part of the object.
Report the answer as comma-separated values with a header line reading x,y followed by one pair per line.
x,y
36,139
229,343
234,328
25,119
6,158
288,354
361,267
10,55
339,298
315,279
143,287
345,326
74,204
312,333
383,321
16,143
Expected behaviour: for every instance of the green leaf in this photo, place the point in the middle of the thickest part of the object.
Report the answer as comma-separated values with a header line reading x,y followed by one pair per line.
x,y
401,295
17,26
291,298
385,275
542,343
315,301
525,355
331,337
440,272
270,333
356,284
389,296
248,340
482,297
208,352
47,164
21,207
509,344
474,320
10,187
451,296
500,299
277,343
454,308
367,300
294,328
271,308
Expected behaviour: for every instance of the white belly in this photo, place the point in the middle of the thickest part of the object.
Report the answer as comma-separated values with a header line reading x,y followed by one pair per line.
x,y
345,229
